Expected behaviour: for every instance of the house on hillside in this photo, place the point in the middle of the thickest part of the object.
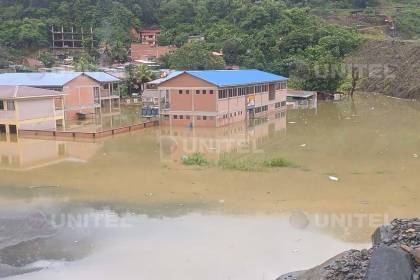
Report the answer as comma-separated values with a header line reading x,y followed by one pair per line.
x,y
149,51
150,35
85,93
30,108
141,52
219,97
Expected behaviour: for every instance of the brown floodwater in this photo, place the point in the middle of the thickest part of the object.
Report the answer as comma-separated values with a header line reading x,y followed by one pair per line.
x,y
353,166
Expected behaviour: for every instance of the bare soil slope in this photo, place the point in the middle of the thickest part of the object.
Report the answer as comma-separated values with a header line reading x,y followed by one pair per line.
x,y
394,68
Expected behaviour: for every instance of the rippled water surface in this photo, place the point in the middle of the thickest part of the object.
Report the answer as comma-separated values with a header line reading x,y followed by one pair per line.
x,y
126,207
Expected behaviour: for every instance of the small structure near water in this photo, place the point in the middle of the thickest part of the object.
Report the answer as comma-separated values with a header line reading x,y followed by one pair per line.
x,y
301,99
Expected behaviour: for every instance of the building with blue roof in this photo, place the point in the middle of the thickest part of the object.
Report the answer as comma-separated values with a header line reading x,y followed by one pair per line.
x,y
86,94
219,97
52,79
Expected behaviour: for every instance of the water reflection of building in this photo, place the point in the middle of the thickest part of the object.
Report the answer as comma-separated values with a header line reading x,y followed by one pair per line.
x,y
24,154
240,137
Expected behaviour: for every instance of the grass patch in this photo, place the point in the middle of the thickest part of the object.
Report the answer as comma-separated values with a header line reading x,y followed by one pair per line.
x,y
253,164
277,162
194,159
239,164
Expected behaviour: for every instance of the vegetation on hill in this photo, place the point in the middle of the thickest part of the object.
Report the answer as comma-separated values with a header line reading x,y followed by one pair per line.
x,y
280,36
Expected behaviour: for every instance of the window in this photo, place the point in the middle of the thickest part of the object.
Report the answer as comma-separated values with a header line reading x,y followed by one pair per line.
x,y
197,92
58,103
187,91
222,94
198,118
204,91
283,103
96,94
187,117
211,91
180,91
175,117
10,105
283,85
230,92
204,118
181,117
1,105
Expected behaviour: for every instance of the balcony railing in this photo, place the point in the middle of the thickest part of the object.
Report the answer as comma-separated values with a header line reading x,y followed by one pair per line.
x,y
7,115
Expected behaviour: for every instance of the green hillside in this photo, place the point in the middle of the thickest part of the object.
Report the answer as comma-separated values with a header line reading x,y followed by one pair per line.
x,y
291,37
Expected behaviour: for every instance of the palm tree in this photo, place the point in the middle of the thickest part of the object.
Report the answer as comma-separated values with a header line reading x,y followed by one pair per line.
x,y
138,76
84,64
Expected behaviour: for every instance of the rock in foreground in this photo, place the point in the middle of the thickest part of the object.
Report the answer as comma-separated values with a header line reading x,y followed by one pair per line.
x,y
393,256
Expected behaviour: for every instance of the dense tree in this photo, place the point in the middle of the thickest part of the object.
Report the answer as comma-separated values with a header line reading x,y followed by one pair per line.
x,y
47,58
280,36
195,56
85,63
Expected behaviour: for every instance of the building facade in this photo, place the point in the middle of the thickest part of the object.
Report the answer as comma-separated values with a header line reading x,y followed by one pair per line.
x,y
147,52
30,108
86,94
219,97
150,35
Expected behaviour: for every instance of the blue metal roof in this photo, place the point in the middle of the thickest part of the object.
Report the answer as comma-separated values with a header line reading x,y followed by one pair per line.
x,y
224,78
37,79
102,77
50,79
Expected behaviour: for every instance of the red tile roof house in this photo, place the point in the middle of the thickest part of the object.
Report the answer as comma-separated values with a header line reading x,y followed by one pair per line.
x,y
86,93
150,35
149,49
146,52
30,108
219,97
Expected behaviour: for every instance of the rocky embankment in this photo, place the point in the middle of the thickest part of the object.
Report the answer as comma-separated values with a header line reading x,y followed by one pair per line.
x,y
389,67
395,255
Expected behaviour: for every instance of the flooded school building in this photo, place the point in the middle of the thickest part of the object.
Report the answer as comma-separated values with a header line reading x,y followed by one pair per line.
x,y
215,98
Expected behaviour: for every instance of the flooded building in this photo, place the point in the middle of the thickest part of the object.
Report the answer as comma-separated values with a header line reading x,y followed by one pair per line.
x,y
85,93
30,108
216,98
301,99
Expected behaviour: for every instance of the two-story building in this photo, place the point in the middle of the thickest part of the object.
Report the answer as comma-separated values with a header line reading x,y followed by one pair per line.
x,y
85,93
216,98
30,108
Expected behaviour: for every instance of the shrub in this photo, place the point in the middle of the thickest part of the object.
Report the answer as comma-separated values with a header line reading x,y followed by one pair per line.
x,y
194,159
277,162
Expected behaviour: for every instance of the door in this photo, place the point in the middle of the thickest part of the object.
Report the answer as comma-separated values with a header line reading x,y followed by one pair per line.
x,y
12,129
3,136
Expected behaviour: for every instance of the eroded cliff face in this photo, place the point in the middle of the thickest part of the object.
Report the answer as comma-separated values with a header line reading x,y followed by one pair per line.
x,y
389,67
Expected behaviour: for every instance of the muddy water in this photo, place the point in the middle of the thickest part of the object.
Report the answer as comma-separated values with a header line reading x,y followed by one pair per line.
x,y
355,166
